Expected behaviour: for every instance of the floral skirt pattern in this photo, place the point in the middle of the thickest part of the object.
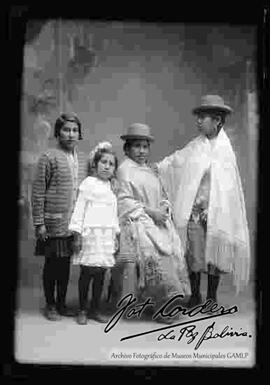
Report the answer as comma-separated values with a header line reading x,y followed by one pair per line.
x,y
162,270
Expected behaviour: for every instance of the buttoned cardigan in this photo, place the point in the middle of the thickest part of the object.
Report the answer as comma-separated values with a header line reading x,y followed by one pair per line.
x,y
53,191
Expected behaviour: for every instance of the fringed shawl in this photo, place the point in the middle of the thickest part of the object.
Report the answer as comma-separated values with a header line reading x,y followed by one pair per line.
x,y
227,239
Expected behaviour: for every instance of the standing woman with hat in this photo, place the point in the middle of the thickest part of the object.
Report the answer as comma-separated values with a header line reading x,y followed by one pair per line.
x,y
205,189
150,262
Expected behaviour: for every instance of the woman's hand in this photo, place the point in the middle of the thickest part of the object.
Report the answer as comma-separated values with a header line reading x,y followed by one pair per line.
x,y
166,207
41,232
159,216
204,215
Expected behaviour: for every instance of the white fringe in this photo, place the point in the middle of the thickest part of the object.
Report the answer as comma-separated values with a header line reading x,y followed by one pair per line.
x,y
229,257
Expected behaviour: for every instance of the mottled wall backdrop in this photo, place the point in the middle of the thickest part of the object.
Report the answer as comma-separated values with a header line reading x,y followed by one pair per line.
x,y
116,73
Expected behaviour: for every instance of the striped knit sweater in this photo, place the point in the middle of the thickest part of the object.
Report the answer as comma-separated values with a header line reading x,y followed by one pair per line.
x,y
53,190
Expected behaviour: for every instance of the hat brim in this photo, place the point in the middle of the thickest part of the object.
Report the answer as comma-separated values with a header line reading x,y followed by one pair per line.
x,y
225,109
125,137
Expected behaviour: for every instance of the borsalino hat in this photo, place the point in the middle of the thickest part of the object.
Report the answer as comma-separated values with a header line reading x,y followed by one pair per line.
x,y
138,131
212,102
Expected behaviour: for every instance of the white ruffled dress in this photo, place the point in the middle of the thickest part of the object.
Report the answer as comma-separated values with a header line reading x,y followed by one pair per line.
x,y
95,218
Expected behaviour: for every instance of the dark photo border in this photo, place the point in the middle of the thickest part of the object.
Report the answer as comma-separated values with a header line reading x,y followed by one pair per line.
x,y
15,20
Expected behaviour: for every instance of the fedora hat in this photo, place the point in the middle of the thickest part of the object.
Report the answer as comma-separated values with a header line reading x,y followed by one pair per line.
x,y
212,102
138,131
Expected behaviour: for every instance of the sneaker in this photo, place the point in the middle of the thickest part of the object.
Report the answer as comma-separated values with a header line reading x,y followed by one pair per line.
x,y
51,314
82,317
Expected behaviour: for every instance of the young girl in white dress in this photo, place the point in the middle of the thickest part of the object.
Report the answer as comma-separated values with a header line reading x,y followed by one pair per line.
x,y
95,226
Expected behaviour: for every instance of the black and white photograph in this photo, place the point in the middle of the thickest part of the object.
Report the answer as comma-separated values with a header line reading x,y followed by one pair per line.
x,y
138,200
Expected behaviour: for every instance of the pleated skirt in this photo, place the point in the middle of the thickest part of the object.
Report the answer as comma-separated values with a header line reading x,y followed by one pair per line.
x,y
55,247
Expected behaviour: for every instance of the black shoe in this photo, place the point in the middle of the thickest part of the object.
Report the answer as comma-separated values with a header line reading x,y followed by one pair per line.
x,y
51,313
212,299
214,302
194,300
65,311
82,317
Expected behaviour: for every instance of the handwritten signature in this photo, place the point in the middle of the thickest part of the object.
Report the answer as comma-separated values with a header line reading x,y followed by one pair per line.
x,y
209,310
209,333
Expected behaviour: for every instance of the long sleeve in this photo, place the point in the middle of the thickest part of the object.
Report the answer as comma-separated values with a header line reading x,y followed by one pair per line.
x,y
76,222
165,163
166,170
171,168
39,189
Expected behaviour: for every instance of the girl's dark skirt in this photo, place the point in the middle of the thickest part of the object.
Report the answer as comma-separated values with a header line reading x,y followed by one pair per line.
x,y
54,247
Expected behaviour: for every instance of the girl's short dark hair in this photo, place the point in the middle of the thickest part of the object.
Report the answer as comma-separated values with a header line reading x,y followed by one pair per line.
x,y
98,155
129,142
62,119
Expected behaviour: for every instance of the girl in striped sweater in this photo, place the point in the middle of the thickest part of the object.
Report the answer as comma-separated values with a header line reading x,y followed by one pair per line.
x,y
53,198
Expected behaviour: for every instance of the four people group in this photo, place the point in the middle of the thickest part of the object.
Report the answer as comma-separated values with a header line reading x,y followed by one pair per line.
x,y
155,227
